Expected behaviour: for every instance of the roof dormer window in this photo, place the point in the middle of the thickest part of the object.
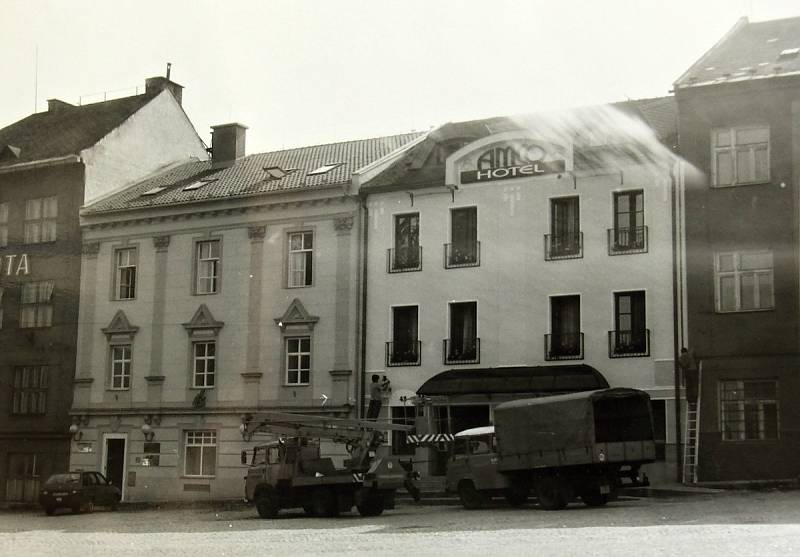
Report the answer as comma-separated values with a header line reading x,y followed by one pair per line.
x,y
324,169
198,184
155,190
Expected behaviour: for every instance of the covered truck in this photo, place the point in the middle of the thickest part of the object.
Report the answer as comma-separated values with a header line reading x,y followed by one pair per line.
x,y
586,444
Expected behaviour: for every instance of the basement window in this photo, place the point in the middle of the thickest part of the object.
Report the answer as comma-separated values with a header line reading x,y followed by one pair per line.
x,y
324,169
153,191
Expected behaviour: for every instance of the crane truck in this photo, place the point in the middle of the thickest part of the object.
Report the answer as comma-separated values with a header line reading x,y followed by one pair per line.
x,y
587,444
290,473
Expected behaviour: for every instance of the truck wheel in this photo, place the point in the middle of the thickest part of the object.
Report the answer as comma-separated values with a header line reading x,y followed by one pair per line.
x,y
516,497
372,506
553,493
593,498
266,504
323,502
470,497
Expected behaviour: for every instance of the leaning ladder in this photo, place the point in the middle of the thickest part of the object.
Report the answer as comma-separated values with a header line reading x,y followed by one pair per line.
x,y
691,449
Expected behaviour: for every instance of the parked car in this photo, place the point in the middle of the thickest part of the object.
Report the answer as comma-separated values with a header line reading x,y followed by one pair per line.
x,y
79,491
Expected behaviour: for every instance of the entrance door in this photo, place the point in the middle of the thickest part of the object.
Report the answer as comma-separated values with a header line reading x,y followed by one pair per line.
x,y
114,460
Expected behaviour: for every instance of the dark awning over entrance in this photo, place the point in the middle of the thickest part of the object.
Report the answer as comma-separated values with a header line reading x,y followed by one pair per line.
x,y
532,380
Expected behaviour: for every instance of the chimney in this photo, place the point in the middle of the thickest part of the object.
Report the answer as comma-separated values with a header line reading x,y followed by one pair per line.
x,y
227,144
55,106
154,85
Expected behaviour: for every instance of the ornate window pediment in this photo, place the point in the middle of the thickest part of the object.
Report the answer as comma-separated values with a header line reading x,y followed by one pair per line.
x,y
120,329
203,323
296,318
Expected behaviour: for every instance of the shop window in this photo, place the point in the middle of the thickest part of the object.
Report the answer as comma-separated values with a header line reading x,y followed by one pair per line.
x,y
200,453
120,366
125,275
301,259
298,360
208,267
36,304
22,483
748,410
41,216
29,390
740,156
744,281
204,364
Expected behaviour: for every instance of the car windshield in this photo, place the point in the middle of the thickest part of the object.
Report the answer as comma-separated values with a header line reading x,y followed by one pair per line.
x,y
64,479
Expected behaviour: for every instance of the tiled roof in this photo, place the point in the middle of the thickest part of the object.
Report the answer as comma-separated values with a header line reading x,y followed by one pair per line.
x,y
247,176
748,51
417,167
67,130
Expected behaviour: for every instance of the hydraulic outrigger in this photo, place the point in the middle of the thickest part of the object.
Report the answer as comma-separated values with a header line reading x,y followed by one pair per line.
x,y
289,472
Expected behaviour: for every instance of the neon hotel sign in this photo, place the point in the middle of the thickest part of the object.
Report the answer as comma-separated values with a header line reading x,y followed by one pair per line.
x,y
14,264
512,161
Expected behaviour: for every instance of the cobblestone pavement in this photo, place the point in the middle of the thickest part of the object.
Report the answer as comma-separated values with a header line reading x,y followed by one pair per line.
x,y
731,524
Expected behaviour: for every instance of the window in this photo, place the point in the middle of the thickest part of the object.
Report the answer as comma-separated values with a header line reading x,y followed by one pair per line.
x,y
744,281
40,220
29,395
301,259
1,307
121,366
740,156
205,364
36,307
749,410
208,267
630,336
565,342
629,234
407,255
565,239
324,169
3,224
151,454
298,360
125,288
463,345
402,415
464,249
201,453
404,348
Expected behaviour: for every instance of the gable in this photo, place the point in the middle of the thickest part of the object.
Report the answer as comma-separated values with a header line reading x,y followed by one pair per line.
x,y
120,328
296,317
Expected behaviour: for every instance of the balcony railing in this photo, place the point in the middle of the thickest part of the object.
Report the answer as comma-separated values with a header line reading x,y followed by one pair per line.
x,y
563,246
629,344
627,240
403,353
462,351
563,346
404,260
456,255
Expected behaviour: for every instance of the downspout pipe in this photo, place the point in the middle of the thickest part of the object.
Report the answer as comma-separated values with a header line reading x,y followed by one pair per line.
x,y
363,260
676,317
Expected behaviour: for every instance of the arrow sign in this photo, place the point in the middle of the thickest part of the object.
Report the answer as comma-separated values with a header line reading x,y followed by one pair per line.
x,y
324,399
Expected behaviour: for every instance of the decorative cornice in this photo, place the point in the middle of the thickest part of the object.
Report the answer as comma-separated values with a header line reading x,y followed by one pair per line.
x,y
343,224
256,232
161,243
120,326
90,249
203,319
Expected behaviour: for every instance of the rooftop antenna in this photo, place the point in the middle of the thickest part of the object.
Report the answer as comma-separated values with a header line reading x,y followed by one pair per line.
x,y
169,69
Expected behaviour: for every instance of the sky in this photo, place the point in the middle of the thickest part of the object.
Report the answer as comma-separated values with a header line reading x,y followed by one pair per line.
x,y
306,72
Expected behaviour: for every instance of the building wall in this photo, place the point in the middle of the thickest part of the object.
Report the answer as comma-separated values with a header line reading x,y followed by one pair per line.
x,y
156,135
250,373
513,284
43,436
744,345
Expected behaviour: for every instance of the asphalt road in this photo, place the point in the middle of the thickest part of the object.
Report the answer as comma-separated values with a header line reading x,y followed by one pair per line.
x,y
730,524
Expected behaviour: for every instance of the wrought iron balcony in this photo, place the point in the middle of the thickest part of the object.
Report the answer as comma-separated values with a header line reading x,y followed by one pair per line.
x,y
629,344
456,255
563,346
627,240
458,351
404,260
563,246
403,353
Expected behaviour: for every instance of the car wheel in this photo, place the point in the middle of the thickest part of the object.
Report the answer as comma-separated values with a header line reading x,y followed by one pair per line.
x,y
470,497
266,504
371,506
49,511
593,498
323,502
553,493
